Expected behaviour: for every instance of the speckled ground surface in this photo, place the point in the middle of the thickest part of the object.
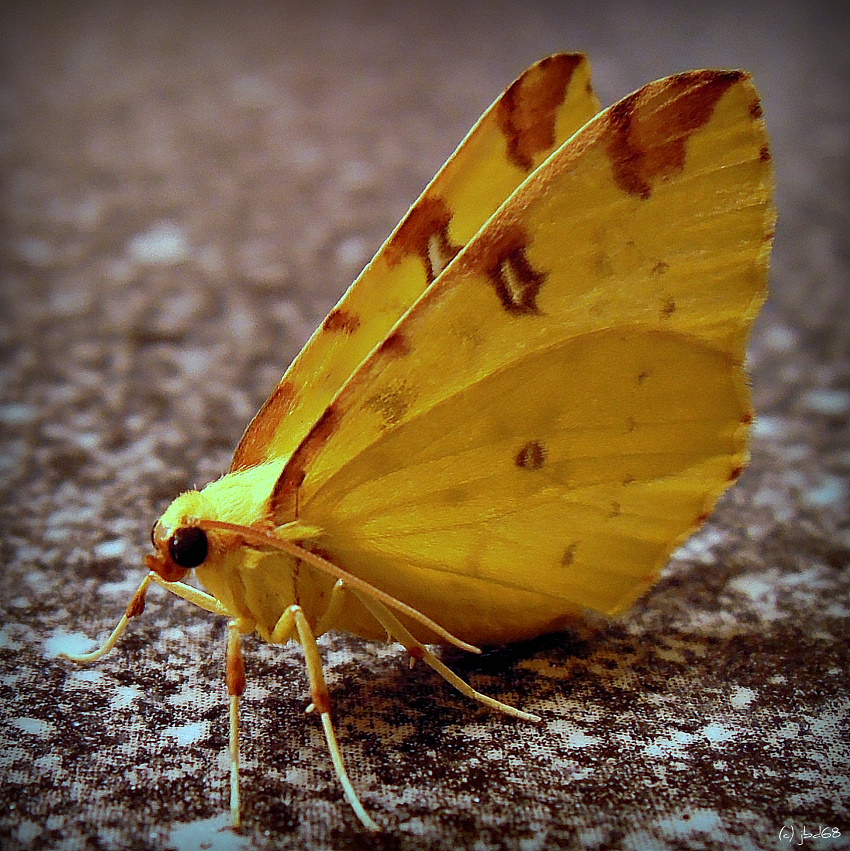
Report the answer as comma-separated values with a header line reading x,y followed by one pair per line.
x,y
187,188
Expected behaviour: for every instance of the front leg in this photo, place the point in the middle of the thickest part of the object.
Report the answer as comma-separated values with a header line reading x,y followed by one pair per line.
x,y
134,608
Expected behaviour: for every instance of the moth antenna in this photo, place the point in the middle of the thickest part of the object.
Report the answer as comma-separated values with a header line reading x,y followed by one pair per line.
x,y
263,540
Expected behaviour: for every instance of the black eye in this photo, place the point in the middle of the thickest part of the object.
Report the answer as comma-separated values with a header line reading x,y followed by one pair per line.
x,y
188,546
153,530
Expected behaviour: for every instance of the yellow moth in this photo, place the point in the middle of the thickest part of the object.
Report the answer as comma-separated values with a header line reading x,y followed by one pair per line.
x,y
526,401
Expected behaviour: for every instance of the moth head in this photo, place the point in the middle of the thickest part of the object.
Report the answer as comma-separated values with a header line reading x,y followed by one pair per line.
x,y
178,552
180,543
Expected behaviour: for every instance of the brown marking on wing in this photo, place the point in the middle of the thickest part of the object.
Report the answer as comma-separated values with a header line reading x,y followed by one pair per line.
x,y
668,308
391,403
764,153
747,418
527,111
735,473
395,345
283,499
424,232
503,258
569,556
342,320
755,109
261,430
650,129
532,456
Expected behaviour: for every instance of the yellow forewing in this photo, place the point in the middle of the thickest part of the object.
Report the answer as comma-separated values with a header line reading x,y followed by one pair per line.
x,y
537,113
568,399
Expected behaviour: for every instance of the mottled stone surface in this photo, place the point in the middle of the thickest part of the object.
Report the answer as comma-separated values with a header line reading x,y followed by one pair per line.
x,y
186,190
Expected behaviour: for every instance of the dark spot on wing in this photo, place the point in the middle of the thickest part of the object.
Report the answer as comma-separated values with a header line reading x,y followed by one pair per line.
x,y
504,260
391,404
532,456
569,556
668,308
341,320
424,232
395,345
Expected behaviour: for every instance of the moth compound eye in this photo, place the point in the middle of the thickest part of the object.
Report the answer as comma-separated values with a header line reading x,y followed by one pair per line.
x,y
188,546
153,533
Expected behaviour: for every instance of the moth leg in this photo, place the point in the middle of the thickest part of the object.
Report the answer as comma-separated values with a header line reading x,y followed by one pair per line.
x,y
419,651
322,704
191,595
283,628
135,607
235,690
335,605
